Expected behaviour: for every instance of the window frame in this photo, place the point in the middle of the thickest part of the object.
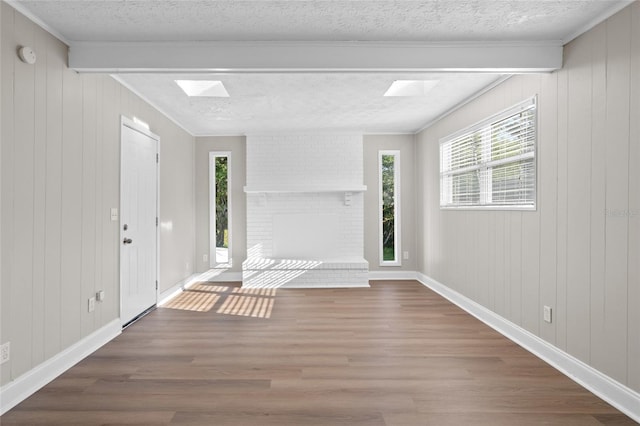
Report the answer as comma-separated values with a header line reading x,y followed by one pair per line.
x,y
486,188
213,263
397,240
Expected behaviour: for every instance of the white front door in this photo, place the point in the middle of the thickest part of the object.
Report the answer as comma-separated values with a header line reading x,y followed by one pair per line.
x,y
138,226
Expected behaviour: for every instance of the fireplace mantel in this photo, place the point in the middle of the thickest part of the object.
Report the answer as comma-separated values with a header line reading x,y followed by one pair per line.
x,y
303,189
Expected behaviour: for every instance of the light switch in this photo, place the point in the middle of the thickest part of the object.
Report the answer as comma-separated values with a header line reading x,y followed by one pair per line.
x,y
114,214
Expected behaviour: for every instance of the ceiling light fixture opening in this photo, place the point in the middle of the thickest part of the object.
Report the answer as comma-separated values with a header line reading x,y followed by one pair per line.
x,y
410,88
203,88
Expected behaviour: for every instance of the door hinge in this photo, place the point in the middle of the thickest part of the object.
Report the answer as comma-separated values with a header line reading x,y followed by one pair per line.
x,y
156,220
157,158
156,284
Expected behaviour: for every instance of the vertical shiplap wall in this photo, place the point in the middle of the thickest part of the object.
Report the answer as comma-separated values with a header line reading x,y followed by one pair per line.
x,y
579,252
633,278
2,298
60,156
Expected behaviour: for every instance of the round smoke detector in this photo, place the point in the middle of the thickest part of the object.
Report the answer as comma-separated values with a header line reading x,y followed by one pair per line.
x,y
27,55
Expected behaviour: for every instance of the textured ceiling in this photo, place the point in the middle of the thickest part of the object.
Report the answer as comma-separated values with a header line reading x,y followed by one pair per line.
x,y
282,102
305,20
305,102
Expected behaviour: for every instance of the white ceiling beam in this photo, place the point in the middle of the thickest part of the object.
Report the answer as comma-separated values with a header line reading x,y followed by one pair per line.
x,y
314,56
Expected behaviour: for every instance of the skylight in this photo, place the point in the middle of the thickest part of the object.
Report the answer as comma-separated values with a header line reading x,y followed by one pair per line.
x,y
205,88
410,88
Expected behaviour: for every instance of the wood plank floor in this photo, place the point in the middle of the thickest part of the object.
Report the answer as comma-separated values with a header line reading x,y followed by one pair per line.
x,y
393,354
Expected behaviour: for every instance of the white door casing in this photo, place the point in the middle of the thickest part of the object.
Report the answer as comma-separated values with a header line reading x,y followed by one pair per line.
x,y
138,220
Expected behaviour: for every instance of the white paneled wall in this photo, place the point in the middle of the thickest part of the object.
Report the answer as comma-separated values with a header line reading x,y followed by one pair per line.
x,y
579,252
60,177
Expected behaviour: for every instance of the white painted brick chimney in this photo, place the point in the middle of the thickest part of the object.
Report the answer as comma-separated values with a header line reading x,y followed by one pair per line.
x,y
305,203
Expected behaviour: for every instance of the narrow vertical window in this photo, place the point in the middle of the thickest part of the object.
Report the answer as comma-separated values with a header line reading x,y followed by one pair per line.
x,y
220,208
389,198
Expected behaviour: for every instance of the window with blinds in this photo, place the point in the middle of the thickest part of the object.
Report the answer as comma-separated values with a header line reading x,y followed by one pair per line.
x,y
492,164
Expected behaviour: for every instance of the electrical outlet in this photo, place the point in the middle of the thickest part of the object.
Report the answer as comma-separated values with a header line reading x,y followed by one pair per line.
x,y
5,352
547,313
205,257
405,255
100,296
92,304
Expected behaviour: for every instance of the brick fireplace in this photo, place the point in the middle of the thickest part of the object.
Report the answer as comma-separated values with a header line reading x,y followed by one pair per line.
x,y
305,212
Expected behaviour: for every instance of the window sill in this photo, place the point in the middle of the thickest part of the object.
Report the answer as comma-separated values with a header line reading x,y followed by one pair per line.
x,y
494,208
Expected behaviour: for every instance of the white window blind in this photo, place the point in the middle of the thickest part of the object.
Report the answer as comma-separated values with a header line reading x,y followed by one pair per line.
x,y
492,163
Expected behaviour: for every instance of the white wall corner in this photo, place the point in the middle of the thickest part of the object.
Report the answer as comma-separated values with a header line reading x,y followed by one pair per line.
x,y
27,384
615,393
179,287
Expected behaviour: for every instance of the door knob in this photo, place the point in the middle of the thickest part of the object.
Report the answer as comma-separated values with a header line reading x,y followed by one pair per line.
x,y
127,241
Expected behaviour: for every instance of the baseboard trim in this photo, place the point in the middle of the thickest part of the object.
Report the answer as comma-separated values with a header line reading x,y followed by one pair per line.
x,y
615,393
27,384
392,275
177,288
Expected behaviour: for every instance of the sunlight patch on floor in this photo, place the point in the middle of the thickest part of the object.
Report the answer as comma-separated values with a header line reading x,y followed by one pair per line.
x,y
198,298
248,302
247,306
